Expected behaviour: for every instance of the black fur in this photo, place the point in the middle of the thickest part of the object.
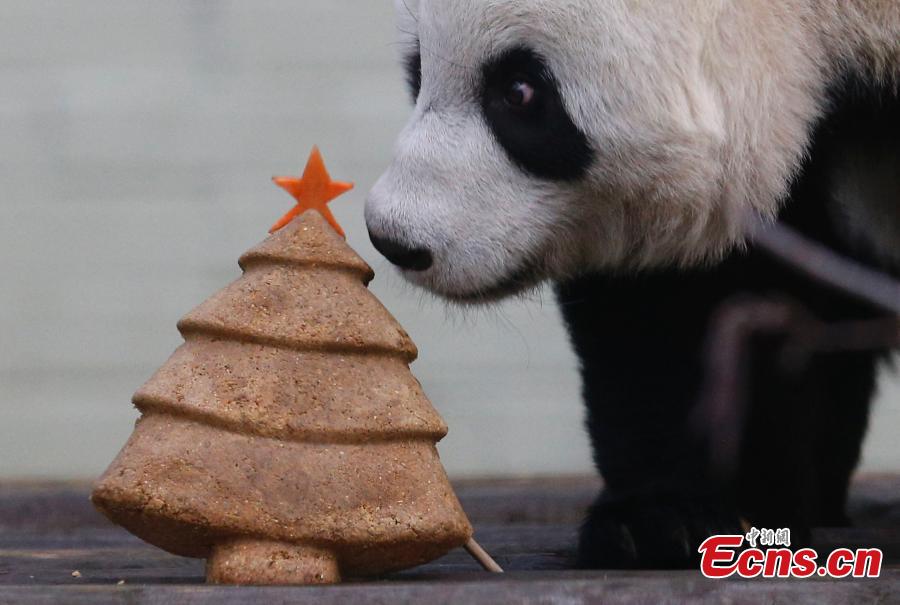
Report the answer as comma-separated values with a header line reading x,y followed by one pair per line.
x,y
541,139
413,67
641,339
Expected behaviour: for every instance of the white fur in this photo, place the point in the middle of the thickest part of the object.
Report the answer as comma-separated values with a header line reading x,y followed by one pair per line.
x,y
699,112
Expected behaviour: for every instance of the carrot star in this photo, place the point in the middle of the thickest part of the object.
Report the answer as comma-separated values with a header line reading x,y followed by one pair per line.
x,y
313,192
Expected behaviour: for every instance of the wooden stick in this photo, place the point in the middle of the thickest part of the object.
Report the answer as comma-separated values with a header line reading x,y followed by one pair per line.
x,y
480,555
828,267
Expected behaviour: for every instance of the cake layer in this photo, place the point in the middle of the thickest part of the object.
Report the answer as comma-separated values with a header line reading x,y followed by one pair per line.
x,y
185,486
308,240
303,308
291,394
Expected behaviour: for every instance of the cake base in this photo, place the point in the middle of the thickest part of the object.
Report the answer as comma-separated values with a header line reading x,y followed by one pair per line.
x,y
264,562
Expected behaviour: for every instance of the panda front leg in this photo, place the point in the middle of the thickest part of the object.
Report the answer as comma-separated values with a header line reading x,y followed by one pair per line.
x,y
640,340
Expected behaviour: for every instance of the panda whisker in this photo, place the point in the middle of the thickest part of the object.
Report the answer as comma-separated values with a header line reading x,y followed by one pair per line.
x,y
409,12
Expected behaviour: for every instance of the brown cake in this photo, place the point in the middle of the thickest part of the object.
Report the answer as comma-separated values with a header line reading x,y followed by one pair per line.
x,y
286,440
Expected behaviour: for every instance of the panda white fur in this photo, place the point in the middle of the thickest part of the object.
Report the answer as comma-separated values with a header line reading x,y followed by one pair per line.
x,y
623,149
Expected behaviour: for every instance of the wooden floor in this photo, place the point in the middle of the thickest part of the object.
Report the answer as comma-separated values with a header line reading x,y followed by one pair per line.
x,y
55,549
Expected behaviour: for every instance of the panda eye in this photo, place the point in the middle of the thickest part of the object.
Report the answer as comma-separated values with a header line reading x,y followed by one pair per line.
x,y
522,105
520,93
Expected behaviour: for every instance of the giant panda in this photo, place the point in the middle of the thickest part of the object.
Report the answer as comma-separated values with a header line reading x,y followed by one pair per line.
x,y
624,150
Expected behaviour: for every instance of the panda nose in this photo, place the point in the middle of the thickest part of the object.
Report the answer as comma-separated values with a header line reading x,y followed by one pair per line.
x,y
412,259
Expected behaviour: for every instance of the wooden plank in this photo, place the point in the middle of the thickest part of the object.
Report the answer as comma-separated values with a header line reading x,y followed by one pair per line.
x,y
561,587
49,531
110,555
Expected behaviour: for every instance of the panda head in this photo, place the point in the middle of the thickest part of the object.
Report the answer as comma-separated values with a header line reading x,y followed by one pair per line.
x,y
553,137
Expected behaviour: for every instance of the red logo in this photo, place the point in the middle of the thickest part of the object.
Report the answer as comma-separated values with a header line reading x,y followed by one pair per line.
x,y
724,556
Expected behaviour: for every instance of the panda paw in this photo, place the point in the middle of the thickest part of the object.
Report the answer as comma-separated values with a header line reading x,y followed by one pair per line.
x,y
651,532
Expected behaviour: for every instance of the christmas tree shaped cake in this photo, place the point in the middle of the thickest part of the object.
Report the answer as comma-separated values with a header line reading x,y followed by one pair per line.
x,y
286,440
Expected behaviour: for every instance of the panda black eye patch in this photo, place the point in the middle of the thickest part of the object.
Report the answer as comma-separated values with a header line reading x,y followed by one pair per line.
x,y
534,127
413,66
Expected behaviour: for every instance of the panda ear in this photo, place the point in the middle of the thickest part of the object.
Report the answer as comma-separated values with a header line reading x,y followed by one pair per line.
x,y
413,66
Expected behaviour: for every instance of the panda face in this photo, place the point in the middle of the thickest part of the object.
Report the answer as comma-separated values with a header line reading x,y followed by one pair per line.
x,y
552,137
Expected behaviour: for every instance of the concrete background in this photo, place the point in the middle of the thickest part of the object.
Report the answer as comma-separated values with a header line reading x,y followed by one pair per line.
x,y
137,139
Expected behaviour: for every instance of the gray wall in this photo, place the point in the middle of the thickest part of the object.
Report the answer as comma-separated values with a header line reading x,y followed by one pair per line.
x,y
137,139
